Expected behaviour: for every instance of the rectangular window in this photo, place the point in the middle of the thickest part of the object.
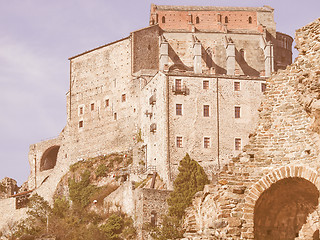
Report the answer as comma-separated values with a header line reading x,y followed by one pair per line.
x,y
80,110
178,85
178,109
237,144
92,106
80,124
206,142
205,84
236,86
263,87
206,110
107,102
237,112
123,98
179,142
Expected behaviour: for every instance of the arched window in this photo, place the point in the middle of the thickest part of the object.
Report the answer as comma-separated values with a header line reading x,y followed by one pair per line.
x,y
163,19
197,20
226,19
250,19
154,218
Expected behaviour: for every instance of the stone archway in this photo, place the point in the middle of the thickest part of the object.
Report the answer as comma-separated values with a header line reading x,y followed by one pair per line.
x,y
282,209
265,212
49,158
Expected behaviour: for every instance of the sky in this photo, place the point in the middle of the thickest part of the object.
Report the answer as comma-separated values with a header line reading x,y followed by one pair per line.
x,y
38,36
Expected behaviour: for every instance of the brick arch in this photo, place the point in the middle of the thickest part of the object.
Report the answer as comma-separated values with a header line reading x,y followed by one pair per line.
x,y
257,189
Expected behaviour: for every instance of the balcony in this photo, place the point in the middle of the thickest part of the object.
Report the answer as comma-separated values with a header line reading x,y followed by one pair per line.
x,y
180,90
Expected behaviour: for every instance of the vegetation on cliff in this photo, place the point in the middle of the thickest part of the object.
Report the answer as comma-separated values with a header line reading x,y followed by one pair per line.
x,y
72,222
78,211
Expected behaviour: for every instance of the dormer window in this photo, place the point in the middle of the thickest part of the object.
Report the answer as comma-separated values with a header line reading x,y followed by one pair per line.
x,y
163,19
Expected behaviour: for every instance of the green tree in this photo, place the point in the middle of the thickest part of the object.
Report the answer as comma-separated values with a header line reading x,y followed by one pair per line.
x,y
113,227
191,179
80,192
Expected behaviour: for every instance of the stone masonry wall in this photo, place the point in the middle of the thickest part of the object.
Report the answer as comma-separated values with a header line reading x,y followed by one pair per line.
x,y
145,49
281,157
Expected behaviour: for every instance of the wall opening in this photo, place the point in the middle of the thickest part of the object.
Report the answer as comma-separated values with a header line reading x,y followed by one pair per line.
x,y
49,158
153,218
282,209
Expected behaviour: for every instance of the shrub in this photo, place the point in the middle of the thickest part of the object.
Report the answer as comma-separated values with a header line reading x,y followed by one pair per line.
x,y
61,207
101,170
80,192
113,227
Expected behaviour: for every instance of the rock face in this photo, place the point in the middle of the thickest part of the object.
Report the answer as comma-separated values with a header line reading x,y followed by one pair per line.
x,y
271,190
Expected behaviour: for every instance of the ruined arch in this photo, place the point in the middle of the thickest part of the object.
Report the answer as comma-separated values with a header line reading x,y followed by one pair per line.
x,y
280,202
49,158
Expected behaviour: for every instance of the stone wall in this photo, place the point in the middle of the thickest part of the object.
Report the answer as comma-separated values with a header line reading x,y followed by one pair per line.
x,y
145,49
281,159
151,205
220,126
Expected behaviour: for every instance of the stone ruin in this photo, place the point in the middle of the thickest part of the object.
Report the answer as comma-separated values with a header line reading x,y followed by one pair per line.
x,y
271,190
8,187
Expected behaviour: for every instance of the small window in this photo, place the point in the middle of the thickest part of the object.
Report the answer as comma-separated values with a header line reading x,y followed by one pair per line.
x,y
263,87
115,116
206,110
123,98
80,110
237,144
205,84
179,142
206,142
250,20
237,112
80,124
153,218
178,84
92,106
178,109
236,86
219,18
107,102
163,19
226,20
197,20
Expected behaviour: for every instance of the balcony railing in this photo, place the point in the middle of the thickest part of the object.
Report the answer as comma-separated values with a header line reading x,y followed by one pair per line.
x,y
183,90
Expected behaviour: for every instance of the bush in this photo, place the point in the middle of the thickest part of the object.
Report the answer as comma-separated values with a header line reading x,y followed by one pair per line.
x,y
113,227
61,207
101,170
80,192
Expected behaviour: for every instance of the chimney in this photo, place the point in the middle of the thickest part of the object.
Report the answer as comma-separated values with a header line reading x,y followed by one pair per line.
x,y
164,53
268,59
197,56
231,57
